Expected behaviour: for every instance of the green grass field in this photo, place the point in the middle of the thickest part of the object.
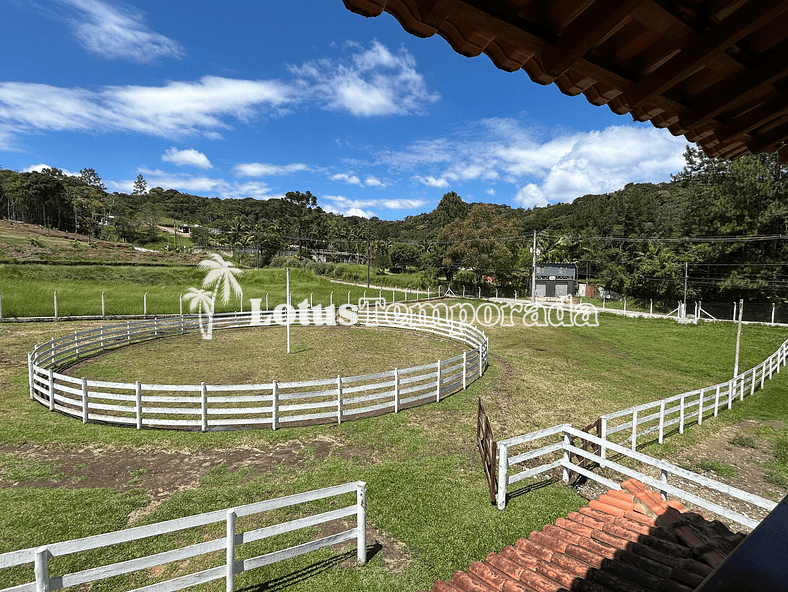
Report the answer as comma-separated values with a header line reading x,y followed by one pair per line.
x,y
427,495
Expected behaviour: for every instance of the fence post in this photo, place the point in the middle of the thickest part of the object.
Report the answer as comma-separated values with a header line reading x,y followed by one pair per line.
x,y
274,404
681,414
145,304
651,306
361,523
266,301
41,569
393,298
396,390
138,397
101,336
348,296
602,436
700,407
763,373
51,389
625,304
663,477
752,386
661,420
730,394
428,297
102,305
773,307
503,477
55,298
128,330
634,442
84,400
76,343
565,460
465,367
30,373
180,305
438,388
230,554
717,401
339,399
204,406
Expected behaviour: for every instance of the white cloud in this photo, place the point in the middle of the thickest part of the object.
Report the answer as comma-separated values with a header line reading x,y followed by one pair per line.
x,y
173,110
190,157
40,167
374,82
545,171
360,207
371,181
117,32
402,204
490,191
431,181
347,178
259,169
347,207
199,185
530,196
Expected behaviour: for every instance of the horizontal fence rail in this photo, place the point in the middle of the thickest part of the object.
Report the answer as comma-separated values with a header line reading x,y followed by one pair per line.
x,y
208,407
558,452
627,425
45,581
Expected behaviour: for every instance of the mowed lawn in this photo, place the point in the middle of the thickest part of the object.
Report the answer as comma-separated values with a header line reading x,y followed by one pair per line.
x,y
427,496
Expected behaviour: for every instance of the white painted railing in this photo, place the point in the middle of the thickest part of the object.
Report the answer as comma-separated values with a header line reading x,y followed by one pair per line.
x,y
208,407
560,453
696,405
45,581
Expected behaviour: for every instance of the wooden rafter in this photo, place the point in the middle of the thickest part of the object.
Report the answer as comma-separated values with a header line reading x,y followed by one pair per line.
x,y
714,71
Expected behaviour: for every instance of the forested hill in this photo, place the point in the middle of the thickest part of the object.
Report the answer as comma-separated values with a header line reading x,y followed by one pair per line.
x,y
725,221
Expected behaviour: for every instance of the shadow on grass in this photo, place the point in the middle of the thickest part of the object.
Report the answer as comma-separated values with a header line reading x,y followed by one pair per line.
x,y
531,487
311,571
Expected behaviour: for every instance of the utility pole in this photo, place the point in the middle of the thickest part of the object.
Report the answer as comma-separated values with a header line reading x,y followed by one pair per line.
x,y
533,271
684,307
738,339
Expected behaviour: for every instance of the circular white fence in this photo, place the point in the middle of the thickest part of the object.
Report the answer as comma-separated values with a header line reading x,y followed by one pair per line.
x,y
209,407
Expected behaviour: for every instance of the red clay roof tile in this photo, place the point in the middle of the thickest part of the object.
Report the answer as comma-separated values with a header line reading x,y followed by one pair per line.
x,y
607,546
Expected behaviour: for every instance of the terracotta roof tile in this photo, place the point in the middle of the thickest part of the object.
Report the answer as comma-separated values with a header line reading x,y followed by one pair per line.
x,y
610,545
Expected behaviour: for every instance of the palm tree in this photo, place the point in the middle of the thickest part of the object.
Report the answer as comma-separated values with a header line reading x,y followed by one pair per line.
x,y
222,274
197,300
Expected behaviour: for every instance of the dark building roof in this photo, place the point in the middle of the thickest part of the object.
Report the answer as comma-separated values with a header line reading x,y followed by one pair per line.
x,y
715,71
628,540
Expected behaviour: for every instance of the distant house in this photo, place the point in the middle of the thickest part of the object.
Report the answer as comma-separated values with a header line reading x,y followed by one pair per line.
x,y
555,280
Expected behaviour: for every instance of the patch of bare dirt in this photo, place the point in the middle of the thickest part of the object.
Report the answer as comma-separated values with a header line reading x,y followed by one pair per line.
x,y
160,473
395,556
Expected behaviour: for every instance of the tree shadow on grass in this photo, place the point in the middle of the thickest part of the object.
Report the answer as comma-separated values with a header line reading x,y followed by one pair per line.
x,y
310,571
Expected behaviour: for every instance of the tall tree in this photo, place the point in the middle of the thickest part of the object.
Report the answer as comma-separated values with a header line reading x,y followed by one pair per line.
x,y
140,186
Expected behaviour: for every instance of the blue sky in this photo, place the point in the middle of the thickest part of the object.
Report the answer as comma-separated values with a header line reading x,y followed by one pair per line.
x,y
240,99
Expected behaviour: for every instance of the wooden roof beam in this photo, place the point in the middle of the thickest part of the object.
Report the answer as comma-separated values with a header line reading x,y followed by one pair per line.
x,y
768,141
435,12
585,32
741,89
745,20
755,118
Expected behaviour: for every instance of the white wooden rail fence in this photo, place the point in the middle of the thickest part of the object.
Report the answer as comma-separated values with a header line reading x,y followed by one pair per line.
x,y
45,582
560,453
679,409
219,407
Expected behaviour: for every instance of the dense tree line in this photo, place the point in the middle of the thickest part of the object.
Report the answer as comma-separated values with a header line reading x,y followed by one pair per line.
x,y
723,222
